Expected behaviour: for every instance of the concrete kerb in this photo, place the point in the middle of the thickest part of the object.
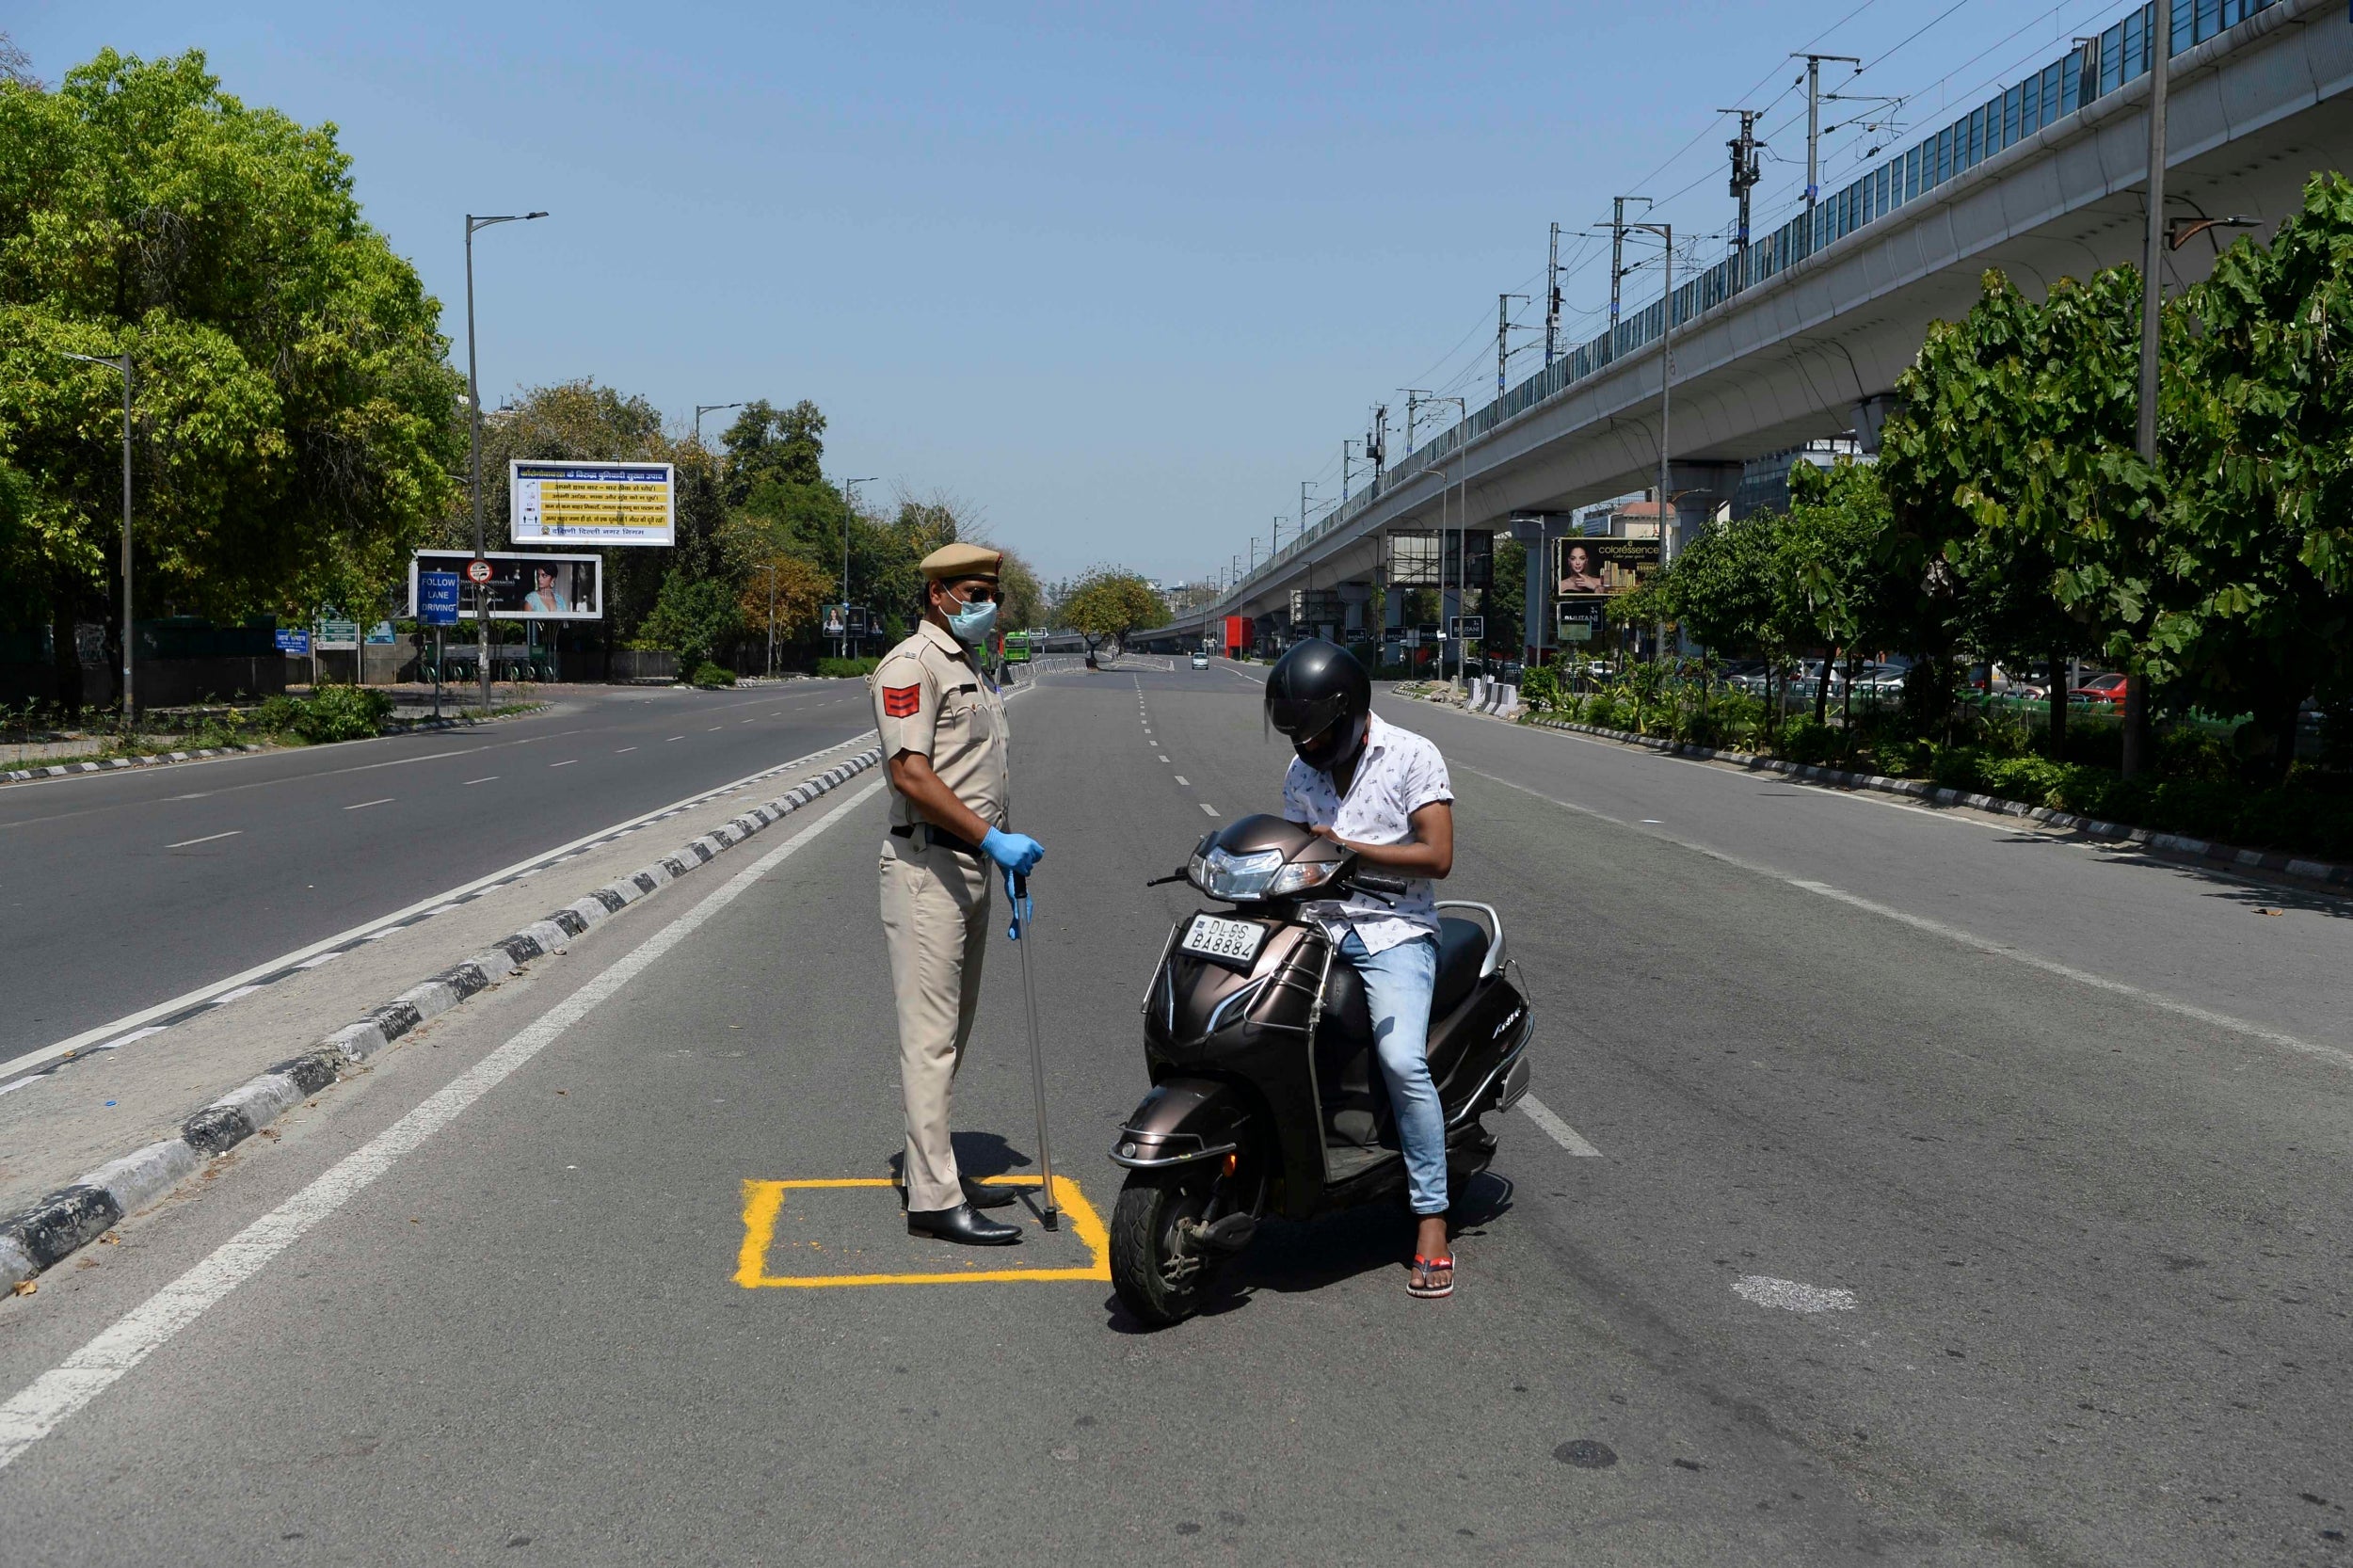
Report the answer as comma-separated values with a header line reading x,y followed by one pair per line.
x,y
2228,856
69,1218
158,760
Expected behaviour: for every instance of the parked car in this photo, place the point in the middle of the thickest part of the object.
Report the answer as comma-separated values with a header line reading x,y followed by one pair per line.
x,y
1200,660
2101,691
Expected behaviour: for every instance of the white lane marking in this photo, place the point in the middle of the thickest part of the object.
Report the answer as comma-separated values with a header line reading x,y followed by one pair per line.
x,y
1970,940
1790,1296
565,763
674,738
1164,759
1653,822
715,729
50,1398
234,831
2329,1054
1180,778
625,750
483,779
1210,809
380,800
381,927
1557,1131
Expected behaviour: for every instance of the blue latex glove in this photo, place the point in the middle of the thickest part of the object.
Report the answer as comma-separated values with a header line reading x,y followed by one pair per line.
x,y
1018,852
1017,895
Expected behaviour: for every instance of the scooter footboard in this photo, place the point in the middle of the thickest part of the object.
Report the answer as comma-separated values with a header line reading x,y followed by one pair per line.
x,y
1180,1121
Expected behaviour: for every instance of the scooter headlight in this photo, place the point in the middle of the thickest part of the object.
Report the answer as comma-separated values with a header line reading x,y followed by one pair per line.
x,y
1300,875
1236,878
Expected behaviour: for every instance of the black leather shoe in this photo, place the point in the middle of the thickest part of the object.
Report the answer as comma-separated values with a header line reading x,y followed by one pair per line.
x,y
961,1225
977,1195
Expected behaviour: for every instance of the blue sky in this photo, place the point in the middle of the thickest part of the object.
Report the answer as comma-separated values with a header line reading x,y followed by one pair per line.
x,y
1119,277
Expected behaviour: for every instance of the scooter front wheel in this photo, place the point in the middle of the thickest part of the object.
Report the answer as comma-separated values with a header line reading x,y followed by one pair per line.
x,y
1156,1275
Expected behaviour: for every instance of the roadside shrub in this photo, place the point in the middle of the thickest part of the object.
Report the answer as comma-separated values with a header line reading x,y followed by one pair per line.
x,y
1601,711
1807,742
708,675
846,670
1539,689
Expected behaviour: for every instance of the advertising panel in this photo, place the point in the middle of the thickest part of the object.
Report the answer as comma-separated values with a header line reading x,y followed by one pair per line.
x,y
1587,571
607,504
521,588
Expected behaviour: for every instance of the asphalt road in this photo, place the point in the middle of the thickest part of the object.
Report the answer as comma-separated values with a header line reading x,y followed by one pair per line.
x,y
121,890
2074,1244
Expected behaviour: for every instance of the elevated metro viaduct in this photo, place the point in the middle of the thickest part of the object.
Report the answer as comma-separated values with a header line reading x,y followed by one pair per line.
x,y
1814,349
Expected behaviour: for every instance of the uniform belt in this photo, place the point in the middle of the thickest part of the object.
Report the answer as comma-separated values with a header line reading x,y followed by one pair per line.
x,y
930,835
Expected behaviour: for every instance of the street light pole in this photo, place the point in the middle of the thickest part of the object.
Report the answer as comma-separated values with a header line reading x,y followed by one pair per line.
x,y
849,514
473,426
2135,759
122,364
702,409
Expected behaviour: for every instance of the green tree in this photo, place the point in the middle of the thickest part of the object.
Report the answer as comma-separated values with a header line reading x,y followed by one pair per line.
x,y
697,619
1107,604
2260,525
291,431
767,445
1506,603
1828,548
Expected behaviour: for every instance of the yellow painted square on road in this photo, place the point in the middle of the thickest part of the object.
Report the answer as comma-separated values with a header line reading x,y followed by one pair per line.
x,y
831,1232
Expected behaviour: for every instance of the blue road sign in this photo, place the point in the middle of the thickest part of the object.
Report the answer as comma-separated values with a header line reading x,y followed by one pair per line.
x,y
436,597
293,644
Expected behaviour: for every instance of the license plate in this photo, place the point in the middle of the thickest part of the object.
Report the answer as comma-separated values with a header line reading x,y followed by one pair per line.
x,y
1235,942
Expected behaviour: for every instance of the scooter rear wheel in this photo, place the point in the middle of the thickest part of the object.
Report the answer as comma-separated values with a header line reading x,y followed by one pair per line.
x,y
1155,1274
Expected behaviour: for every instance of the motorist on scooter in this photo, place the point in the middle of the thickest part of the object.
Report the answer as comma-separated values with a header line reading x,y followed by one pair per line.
x,y
1383,792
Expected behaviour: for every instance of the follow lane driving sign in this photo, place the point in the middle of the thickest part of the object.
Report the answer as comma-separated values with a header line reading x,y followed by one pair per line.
x,y
436,597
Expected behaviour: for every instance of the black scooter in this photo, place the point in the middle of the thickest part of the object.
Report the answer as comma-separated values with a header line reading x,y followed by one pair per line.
x,y
1267,1095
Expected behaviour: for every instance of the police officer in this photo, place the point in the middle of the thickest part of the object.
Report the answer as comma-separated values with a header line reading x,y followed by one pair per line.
x,y
943,738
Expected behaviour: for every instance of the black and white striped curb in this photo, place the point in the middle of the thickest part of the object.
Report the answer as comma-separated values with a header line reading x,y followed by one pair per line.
x,y
73,1216
2226,856
108,765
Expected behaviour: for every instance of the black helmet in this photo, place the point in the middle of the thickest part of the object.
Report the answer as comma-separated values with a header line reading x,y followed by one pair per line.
x,y
1320,698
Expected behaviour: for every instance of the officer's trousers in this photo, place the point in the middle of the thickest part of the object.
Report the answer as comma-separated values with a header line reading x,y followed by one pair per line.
x,y
934,915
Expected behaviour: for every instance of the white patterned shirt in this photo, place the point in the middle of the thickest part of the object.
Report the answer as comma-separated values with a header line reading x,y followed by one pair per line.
x,y
1398,774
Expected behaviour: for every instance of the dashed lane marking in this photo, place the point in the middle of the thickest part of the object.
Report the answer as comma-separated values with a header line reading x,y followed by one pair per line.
x,y
1181,778
209,838
485,778
1210,809
565,763
380,800
1557,1131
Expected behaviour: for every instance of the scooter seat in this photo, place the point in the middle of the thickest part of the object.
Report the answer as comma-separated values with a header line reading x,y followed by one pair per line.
x,y
1461,947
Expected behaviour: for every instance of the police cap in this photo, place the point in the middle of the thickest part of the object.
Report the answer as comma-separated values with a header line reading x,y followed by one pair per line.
x,y
952,562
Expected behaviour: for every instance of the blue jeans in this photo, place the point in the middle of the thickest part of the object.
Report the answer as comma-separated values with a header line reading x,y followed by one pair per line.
x,y
1399,983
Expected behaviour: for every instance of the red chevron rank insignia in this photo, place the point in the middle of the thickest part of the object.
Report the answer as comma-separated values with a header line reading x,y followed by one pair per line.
x,y
900,702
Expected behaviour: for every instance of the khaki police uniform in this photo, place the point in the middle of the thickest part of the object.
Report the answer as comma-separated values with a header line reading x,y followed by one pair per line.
x,y
929,698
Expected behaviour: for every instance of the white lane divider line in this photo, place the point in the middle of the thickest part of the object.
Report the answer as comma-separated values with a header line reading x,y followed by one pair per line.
x,y
209,838
382,800
674,738
565,763
624,750
485,778
1181,778
1970,940
1557,1131
2329,1054
36,1410
1206,805
200,840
